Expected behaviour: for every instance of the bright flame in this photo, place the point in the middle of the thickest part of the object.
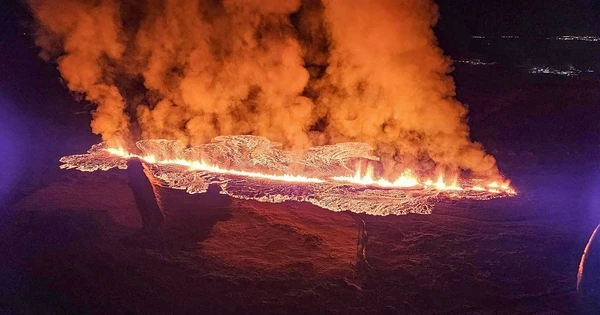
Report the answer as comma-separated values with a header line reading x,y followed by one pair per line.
x,y
407,178
203,166
441,185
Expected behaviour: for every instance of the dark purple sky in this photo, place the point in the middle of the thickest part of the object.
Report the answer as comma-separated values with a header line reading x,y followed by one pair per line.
x,y
521,17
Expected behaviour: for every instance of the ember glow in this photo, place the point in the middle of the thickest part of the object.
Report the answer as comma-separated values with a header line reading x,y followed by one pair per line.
x,y
251,167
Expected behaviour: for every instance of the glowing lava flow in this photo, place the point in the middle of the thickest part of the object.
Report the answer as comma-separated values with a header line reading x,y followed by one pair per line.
x,y
407,179
258,170
203,166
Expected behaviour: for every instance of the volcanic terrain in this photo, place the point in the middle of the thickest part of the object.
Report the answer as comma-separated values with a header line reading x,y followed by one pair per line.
x,y
70,242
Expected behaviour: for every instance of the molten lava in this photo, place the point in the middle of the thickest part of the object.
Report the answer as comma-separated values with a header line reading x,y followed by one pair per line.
x,y
251,167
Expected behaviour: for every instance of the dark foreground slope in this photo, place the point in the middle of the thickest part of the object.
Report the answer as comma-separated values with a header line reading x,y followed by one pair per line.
x,y
72,246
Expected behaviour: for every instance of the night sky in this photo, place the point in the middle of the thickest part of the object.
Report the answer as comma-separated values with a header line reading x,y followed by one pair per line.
x,y
510,17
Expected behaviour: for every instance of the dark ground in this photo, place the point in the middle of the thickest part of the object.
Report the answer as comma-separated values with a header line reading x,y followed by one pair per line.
x,y
68,240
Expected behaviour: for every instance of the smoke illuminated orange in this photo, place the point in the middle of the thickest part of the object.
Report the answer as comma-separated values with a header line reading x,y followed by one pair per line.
x,y
376,76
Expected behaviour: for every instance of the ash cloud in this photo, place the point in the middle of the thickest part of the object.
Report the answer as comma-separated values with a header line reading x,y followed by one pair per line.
x,y
301,73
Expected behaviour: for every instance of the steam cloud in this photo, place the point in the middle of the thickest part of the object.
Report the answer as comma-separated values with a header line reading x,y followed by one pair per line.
x,y
302,73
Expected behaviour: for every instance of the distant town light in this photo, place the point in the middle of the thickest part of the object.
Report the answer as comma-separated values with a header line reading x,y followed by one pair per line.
x,y
475,62
579,38
563,37
571,72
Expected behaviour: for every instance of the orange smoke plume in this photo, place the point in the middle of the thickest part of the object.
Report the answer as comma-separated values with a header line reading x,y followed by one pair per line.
x,y
301,73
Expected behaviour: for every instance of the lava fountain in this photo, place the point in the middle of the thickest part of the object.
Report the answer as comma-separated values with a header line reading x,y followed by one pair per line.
x,y
254,168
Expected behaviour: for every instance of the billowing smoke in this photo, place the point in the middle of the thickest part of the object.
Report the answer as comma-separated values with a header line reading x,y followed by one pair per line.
x,y
302,73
